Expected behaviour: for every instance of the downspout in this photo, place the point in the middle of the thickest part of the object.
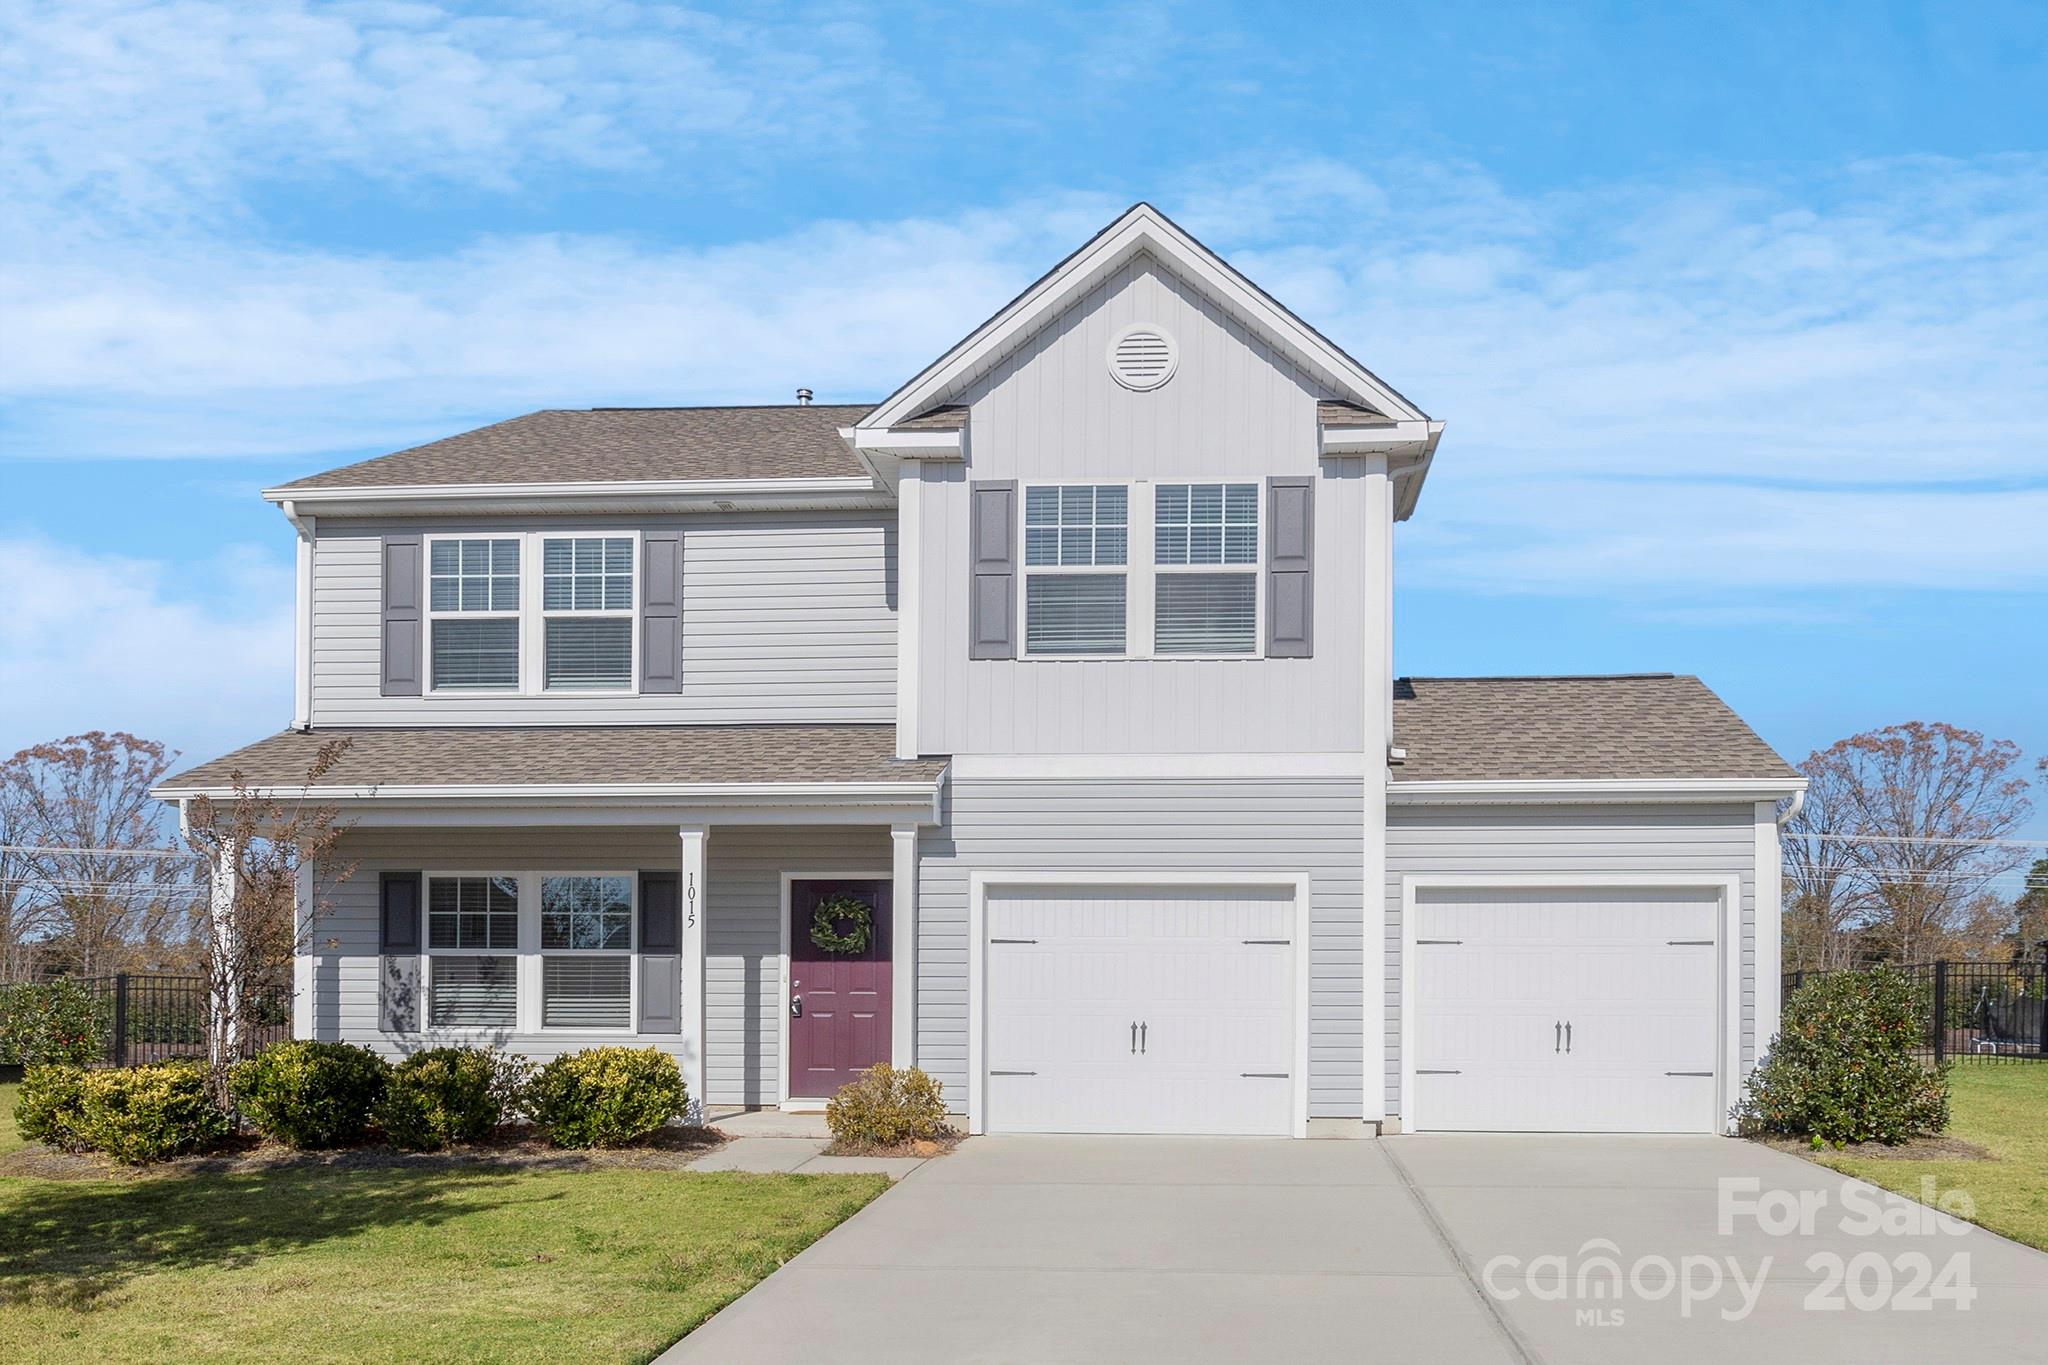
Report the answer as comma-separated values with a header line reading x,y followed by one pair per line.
x,y
1791,812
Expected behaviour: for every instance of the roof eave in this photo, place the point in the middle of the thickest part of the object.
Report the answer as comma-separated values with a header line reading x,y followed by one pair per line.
x,y
664,495
1597,789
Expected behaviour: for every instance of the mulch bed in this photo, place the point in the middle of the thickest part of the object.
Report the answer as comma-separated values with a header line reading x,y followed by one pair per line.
x,y
1917,1149
515,1147
921,1147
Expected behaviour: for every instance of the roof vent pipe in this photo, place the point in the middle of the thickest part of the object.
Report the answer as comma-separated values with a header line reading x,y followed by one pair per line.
x,y
803,398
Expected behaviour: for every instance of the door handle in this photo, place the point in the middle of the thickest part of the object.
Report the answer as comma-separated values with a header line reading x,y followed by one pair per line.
x,y
1567,1035
1143,1029
796,1007
1557,1036
1134,1037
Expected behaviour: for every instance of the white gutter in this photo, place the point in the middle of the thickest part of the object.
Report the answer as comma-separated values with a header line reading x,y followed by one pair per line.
x,y
1791,812
1384,438
778,793
908,445
1596,789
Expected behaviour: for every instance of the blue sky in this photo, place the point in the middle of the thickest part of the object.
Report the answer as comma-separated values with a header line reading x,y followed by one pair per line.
x,y
1739,318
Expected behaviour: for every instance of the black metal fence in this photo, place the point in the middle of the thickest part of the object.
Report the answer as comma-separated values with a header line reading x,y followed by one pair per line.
x,y
1975,1011
152,1018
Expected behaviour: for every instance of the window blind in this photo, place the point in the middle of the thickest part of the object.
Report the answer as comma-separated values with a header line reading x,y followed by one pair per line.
x,y
1206,613
589,653
473,992
1074,614
586,992
483,655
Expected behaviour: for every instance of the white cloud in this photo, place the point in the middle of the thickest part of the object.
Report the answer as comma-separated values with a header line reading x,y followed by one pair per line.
x,y
198,656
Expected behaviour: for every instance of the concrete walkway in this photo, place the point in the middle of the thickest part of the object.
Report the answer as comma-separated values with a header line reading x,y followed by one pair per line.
x,y
1189,1250
776,1155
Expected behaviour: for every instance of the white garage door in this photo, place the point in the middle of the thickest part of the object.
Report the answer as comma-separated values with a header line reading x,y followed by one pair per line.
x,y
1566,1010
1139,1010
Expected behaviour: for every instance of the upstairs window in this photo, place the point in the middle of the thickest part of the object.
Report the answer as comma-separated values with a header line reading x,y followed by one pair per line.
x,y
473,612
1072,533
587,612
1205,552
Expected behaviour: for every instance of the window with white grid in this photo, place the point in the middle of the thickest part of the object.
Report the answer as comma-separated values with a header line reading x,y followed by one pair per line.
x,y
587,612
473,604
1076,550
1205,556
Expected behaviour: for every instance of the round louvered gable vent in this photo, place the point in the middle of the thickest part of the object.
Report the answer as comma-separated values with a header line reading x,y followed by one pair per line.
x,y
1143,357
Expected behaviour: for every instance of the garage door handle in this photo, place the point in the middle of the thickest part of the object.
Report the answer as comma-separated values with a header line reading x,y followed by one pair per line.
x,y
1134,1037
1567,1035
1557,1036
1143,1029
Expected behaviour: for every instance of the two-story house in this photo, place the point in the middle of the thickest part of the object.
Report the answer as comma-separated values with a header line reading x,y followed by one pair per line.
x,y
1036,726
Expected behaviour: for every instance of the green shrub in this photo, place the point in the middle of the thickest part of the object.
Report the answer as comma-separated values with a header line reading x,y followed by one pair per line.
x,y
47,1109
885,1107
310,1094
1842,1068
51,1021
605,1096
148,1113
444,1095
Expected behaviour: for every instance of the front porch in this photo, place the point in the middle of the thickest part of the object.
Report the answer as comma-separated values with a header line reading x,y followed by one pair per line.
x,y
548,936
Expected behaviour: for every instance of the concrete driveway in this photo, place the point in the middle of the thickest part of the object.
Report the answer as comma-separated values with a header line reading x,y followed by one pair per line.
x,y
1412,1248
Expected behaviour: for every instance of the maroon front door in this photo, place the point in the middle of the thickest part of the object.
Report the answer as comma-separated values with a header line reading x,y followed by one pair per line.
x,y
838,1002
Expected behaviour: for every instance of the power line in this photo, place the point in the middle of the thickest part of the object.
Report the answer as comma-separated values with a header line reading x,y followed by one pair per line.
x,y
106,852
1917,839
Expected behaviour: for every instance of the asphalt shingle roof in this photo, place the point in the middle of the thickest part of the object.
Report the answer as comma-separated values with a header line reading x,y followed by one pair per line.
x,y
1649,725
581,754
576,445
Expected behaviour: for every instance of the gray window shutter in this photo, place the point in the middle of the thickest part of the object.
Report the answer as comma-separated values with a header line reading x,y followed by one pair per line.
x,y
398,922
992,552
398,939
403,667
661,611
1290,567
661,963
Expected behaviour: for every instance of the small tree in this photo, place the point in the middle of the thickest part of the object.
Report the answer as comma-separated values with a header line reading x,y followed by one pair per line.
x,y
1844,1066
256,842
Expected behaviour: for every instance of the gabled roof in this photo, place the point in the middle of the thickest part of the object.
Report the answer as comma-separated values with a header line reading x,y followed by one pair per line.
x,y
1642,726
1143,228
619,445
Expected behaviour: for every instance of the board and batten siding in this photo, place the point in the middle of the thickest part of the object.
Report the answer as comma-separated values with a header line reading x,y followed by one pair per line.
x,y
1296,825
742,961
786,619
1050,411
1715,842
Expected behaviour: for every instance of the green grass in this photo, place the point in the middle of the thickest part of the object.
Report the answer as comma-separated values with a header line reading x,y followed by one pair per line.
x,y
10,1139
2003,1108
447,1264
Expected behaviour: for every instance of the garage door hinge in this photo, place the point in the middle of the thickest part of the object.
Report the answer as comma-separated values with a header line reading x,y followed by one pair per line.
x,y
1013,940
1426,1071
1420,942
1688,1073
1013,1073
1265,1075
1689,942
1276,942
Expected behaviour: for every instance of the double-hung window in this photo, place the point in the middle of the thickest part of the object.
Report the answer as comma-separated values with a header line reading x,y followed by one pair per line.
x,y
1076,548
472,951
586,941
1205,556
473,613
587,613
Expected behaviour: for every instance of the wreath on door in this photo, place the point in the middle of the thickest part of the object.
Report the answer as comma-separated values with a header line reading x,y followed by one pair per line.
x,y
843,925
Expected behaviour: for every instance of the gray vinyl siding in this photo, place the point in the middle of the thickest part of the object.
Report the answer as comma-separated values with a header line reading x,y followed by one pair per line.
x,y
742,965
1714,841
1049,411
1311,826
786,618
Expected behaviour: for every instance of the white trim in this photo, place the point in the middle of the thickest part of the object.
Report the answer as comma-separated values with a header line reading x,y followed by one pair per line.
x,y
1386,438
1140,228
979,884
1597,789
1770,925
785,1101
765,793
532,614
1222,766
509,815
693,905
903,946
906,445
303,949
302,616
1376,733
909,610
1727,1071
707,489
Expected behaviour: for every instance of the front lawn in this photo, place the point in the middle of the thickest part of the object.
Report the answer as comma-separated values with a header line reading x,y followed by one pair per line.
x,y
10,1139
450,1261
2001,1107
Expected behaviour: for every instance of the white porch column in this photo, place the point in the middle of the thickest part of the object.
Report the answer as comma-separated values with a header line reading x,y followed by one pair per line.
x,y
302,954
1379,705
903,948
224,974
694,924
